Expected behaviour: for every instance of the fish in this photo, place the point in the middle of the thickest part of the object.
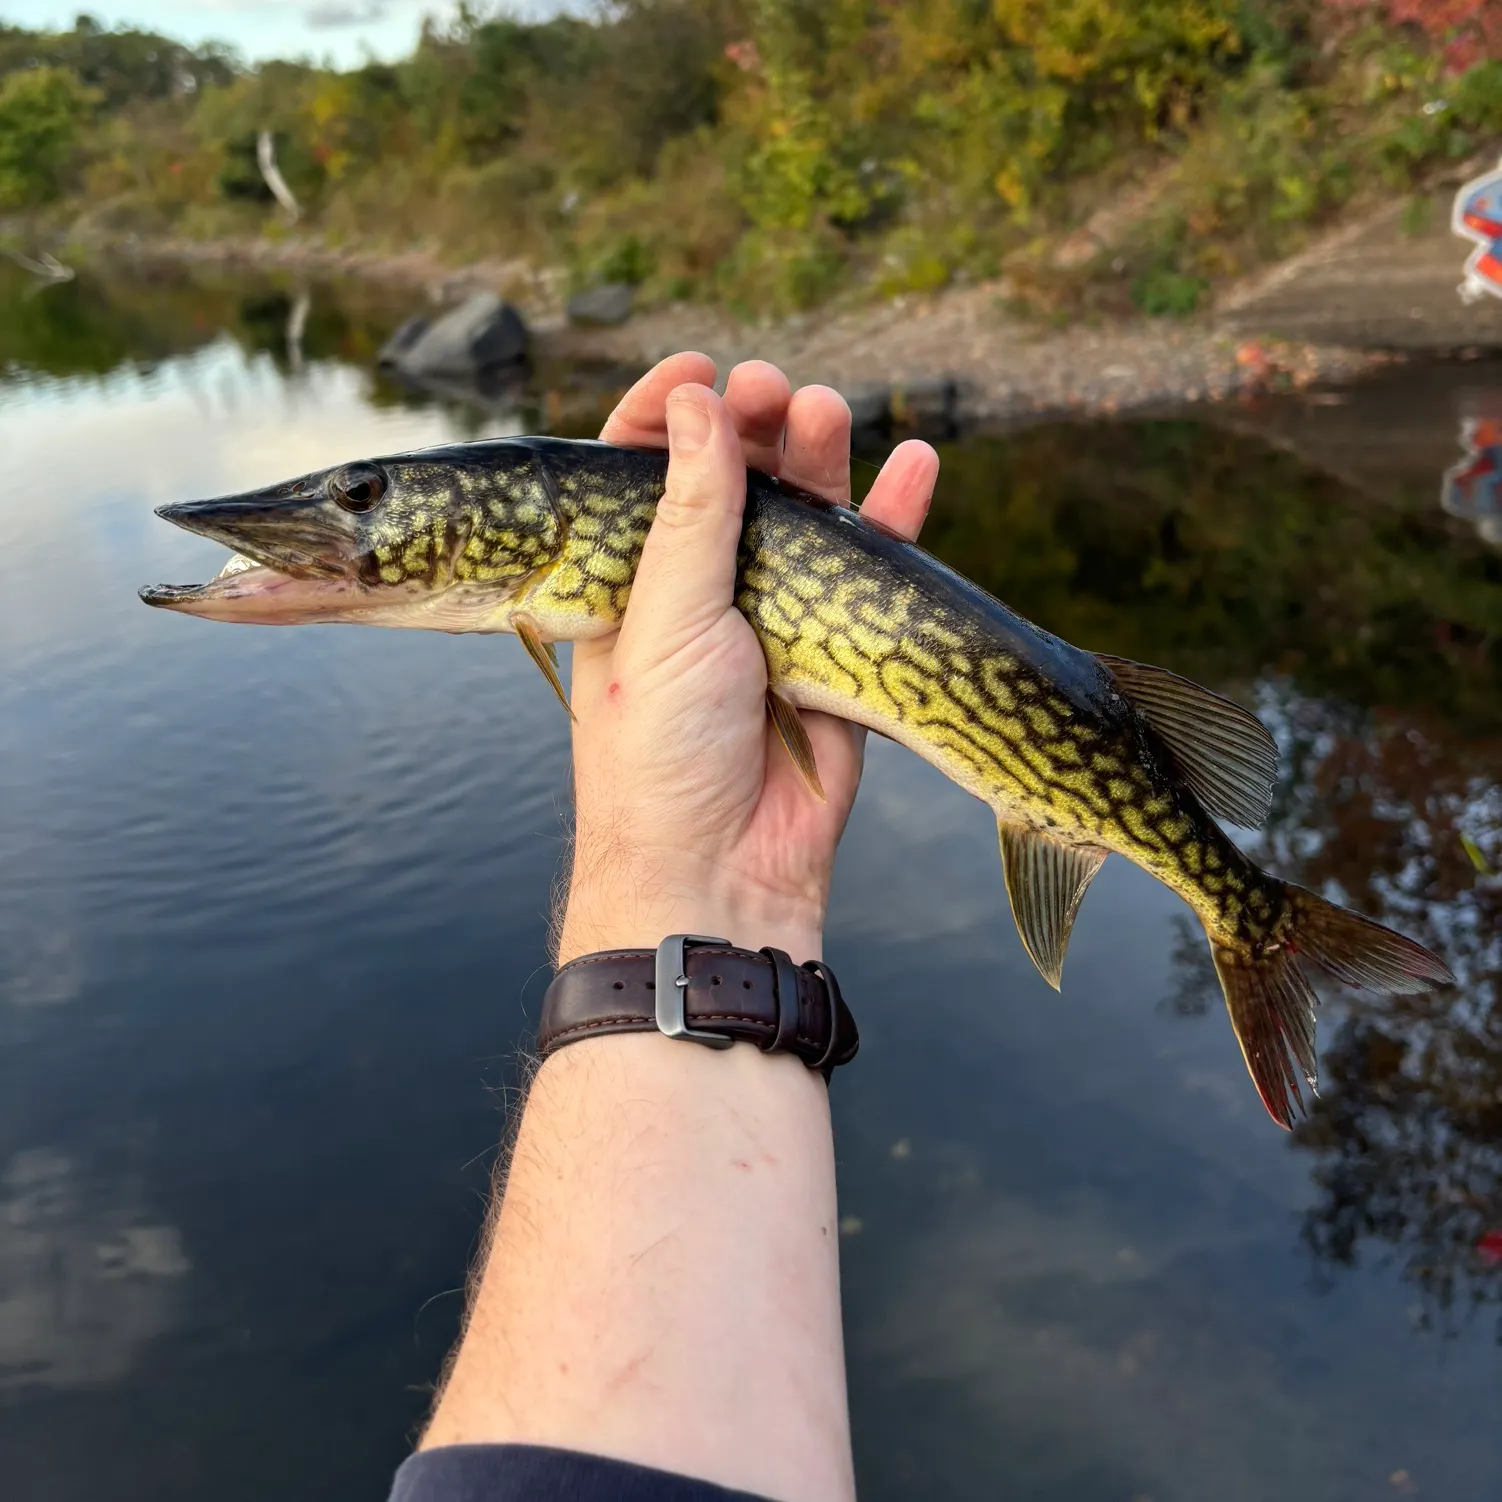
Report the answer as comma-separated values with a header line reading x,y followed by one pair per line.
x,y
1078,754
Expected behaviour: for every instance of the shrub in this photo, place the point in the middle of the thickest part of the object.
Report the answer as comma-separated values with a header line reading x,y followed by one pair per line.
x,y
42,115
1165,293
1466,30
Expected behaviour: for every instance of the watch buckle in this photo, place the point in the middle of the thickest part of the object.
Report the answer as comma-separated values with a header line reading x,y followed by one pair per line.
x,y
671,986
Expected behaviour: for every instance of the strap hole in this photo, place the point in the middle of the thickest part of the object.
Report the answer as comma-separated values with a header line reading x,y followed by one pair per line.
x,y
746,985
651,985
619,985
715,980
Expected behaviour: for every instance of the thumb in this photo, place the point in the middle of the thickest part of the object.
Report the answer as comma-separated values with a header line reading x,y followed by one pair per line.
x,y
685,580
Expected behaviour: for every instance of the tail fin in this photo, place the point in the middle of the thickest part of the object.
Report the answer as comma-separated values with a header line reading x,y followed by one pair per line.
x,y
1272,1003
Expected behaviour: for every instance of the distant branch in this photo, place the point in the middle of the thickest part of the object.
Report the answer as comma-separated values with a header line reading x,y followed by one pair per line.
x,y
266,161
49,269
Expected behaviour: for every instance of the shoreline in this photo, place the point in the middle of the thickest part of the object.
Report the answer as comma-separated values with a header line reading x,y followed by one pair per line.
x,y
955,356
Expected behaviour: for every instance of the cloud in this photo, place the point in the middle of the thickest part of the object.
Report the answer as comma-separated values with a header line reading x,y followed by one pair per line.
x,y
86,1280
335,14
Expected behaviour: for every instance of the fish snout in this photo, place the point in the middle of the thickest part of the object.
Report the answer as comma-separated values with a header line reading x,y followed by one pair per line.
x,y
304,538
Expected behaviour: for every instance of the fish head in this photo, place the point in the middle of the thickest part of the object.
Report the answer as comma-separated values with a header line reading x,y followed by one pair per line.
x,y
443,538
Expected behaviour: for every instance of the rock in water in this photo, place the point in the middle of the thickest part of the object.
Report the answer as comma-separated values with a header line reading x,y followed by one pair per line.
x,y
609,304
402,340
870,404
927,402
482,333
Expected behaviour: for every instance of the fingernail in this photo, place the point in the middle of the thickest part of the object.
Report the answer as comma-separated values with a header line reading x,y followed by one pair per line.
x,y
688,426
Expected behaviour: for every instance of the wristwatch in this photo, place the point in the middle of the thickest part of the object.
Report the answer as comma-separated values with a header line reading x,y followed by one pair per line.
x,y
703,990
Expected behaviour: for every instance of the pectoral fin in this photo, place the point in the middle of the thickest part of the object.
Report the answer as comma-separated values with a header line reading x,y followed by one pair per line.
x,y
1046,881
790,728
544,654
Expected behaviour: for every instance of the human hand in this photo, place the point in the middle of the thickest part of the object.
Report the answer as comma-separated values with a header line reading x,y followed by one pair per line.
x,y
690,816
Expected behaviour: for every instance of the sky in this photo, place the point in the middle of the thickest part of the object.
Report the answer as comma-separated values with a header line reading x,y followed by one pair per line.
x,y
343,31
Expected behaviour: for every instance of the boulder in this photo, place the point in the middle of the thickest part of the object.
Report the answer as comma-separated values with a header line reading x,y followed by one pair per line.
x,y
870,404
927,402
482,333
605,305
402,340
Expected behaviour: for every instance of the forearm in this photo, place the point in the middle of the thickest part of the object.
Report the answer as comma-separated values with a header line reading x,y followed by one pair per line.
x,y
663,1281
662,1284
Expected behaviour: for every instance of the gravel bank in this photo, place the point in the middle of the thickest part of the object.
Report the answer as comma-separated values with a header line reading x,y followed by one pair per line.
x,y
999,368
956,355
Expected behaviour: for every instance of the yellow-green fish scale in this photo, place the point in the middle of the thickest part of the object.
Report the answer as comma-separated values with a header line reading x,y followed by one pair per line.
x,y
872,629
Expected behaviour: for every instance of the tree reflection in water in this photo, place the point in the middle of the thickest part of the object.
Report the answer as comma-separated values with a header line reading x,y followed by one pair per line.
x,y
1257,572
1235,562
1407,1128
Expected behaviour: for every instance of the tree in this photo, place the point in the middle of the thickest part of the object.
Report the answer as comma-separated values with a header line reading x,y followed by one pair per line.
x,y
42,111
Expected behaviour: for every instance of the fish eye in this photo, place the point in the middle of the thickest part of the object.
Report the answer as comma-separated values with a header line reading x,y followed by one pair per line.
x,y
357,488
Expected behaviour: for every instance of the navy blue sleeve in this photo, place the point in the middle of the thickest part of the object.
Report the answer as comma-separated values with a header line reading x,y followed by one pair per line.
x,y
531,1473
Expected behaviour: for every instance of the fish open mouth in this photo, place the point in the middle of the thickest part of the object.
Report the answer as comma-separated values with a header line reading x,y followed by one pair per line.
x,y
285,568
242,579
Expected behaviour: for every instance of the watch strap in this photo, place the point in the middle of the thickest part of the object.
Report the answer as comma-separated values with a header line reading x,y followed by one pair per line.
x,y
727,995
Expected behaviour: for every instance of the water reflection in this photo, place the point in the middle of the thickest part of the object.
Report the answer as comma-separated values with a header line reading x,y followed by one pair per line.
x,y
86,1283
1472,489
1383,628
124,317
1398,820
1407,1134
130,318
272,906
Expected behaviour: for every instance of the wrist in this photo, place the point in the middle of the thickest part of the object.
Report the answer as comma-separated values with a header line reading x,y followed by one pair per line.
x,y
627,914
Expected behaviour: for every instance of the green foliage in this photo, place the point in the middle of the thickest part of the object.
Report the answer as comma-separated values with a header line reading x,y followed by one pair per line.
x,y
42,112
628,260
123,67
1165,293
1468,116
1096,70
1261,169
773,152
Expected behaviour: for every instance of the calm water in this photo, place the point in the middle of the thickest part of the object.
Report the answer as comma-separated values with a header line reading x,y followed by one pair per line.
x,y
272,919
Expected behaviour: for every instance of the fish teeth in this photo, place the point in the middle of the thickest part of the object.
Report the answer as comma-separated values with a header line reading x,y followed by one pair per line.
x,y
237,564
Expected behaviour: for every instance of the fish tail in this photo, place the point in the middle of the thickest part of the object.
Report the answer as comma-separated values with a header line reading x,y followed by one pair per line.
x,y
1272,1004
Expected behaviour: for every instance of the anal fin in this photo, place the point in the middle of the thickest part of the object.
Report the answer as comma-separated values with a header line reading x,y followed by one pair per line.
x,y
1046,881
1223,752
544,654
791,731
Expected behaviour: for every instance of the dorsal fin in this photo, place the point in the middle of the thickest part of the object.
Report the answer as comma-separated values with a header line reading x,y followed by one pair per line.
x,y
1223,752
1046,882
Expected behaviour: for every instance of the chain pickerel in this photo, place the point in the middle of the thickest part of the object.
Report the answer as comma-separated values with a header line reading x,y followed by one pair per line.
x,y
1078,754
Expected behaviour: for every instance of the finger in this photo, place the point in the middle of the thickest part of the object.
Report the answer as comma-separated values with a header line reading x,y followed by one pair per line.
x,y
816,455
904,489
756,397
686,578
639,415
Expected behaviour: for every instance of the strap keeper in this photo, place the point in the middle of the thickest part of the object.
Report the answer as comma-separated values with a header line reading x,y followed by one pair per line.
x,y
826,1064
785,989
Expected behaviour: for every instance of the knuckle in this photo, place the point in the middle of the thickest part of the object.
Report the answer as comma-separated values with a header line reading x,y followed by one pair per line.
x,y
684,504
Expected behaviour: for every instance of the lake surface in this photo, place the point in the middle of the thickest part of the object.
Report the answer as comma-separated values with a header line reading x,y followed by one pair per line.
x,y
273,910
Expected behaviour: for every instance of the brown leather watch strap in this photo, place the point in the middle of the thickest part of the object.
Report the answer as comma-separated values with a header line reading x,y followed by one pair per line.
x,y
730,995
